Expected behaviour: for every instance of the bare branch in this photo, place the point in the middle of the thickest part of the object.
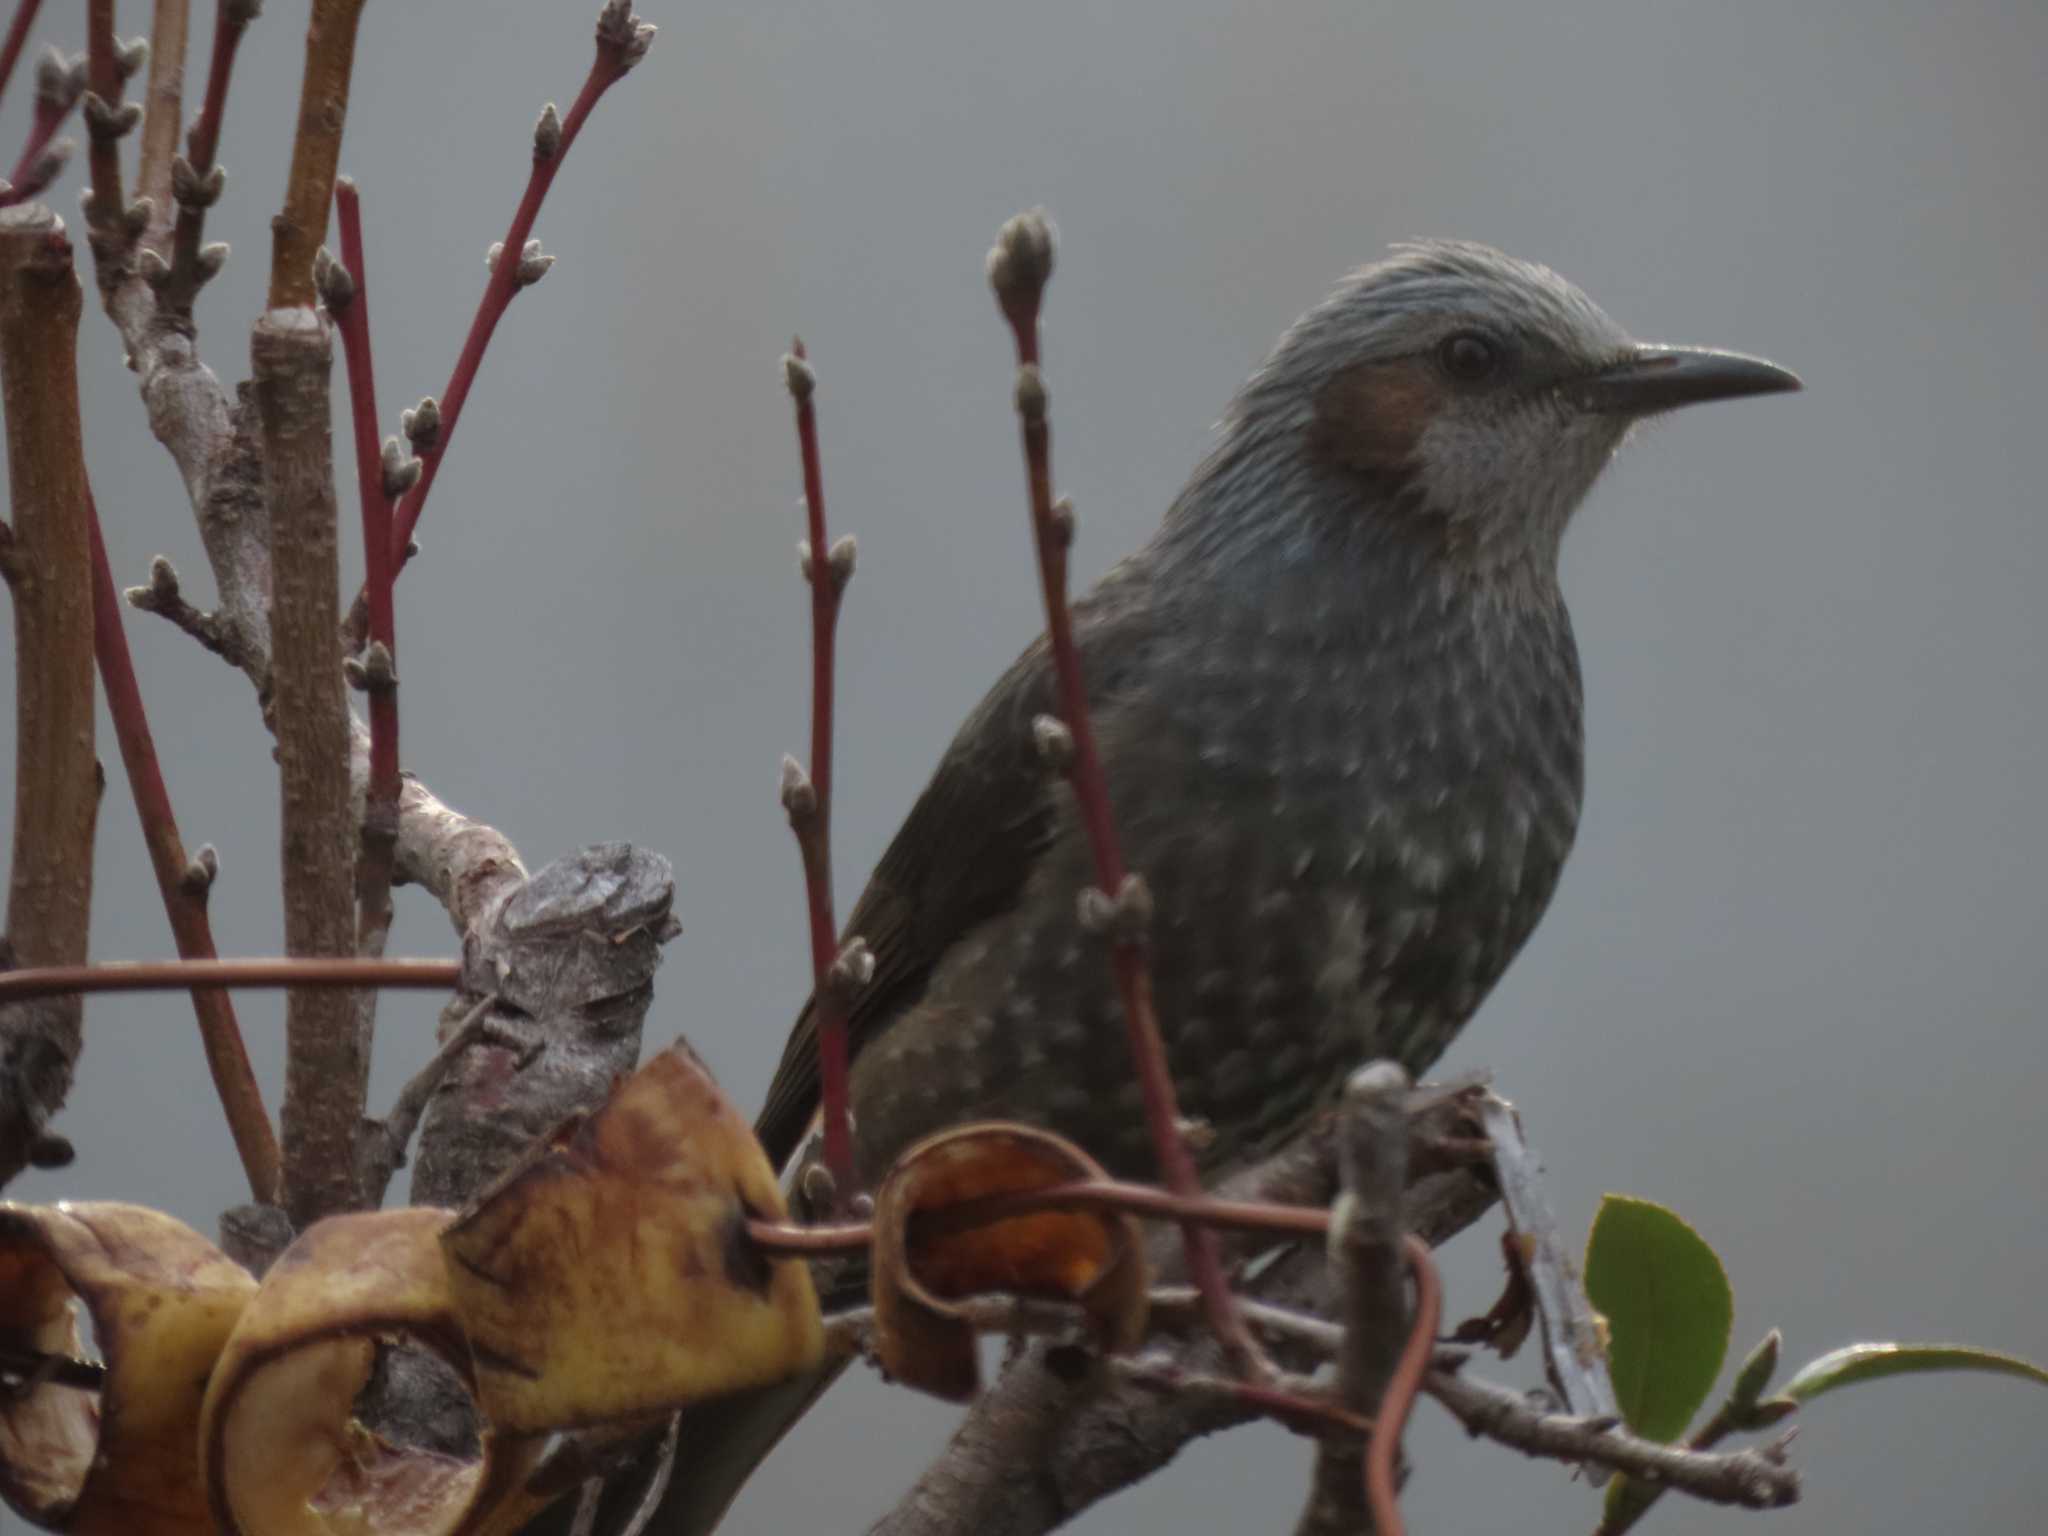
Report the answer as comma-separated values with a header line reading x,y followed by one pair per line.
x,y
826,568
1019,266
184,899
17,36
381,1152
1574,1354
345,289
163,107
622,42
1366,1227
1045,1442
108,120
46,560
327,1067
1752,1479
296,233
196,180
60,82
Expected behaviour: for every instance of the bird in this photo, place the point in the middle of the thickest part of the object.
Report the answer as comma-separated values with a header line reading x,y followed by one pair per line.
x,y
1339,707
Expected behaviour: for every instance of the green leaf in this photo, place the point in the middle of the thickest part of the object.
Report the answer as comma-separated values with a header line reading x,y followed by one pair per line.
x,y
1668,1308
1867,1362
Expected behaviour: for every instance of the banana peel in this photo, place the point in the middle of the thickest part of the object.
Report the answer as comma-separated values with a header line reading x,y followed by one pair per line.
x,y
279,1447
1096,1260
162,1300
608,1278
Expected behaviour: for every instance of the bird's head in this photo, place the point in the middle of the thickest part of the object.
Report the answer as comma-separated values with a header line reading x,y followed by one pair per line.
x,y
1471,395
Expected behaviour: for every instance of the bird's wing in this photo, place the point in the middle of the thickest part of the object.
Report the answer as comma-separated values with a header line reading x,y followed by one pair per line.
x,y
963,854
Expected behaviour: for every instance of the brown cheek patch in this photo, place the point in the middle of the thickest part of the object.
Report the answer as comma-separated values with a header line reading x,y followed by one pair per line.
x,y
1370,417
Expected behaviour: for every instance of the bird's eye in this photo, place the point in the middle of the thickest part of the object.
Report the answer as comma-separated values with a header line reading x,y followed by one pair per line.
x,y
1469,357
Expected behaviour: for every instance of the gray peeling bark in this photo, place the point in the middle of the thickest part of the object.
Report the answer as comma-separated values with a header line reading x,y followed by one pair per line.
x,y
327,1043
46,559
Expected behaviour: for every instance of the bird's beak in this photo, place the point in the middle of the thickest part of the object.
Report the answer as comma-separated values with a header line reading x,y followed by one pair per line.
x,y
1661,378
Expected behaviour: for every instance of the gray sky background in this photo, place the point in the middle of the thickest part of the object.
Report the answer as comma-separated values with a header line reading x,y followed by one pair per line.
x,y
1792,983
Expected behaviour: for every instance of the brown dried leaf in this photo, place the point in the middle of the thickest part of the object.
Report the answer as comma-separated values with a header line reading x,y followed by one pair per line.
x,y
280,1447
609,1276
162,1300
1081,1256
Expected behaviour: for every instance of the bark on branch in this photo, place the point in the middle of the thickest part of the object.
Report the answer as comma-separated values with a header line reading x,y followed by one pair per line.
x,y
46,559
328,1049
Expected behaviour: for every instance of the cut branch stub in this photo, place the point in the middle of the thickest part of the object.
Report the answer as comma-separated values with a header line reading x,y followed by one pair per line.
x,y
609,1275
279,1446
162,1300
1094,1259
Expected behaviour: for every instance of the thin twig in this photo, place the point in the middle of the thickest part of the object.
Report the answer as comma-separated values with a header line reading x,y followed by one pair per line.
x,y
327,1047
197,181
181,882
1019,267
1739,1411
827,568
1302,1404
46,560
17,35
622,42
161,115
1369,1273
347,297
1574,1355
297,231
382,1150
60,82
1753,1479
104,121
184,975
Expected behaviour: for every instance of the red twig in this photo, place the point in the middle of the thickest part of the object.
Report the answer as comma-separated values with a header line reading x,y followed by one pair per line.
x,y
348,301
180,882
622,41
230,20
58,87
1383,1450
103,79
197,192
17,35
827,569
185,975
1019,267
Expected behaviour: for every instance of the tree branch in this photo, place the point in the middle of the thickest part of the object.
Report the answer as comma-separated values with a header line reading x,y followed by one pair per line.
x,y
181,882
328,1060
296,233
60,82
1366,1228
17,36
827,569
107,120
46,560
163,105
622,42
343,287
1043,1444
196,179
1752,1479
1574,1352
1019,267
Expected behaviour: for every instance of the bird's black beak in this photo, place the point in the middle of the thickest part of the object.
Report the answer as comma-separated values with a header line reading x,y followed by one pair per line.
x,y
1661,378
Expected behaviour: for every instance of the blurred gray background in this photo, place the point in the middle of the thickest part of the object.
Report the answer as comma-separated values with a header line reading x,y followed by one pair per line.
x,y
1792,983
